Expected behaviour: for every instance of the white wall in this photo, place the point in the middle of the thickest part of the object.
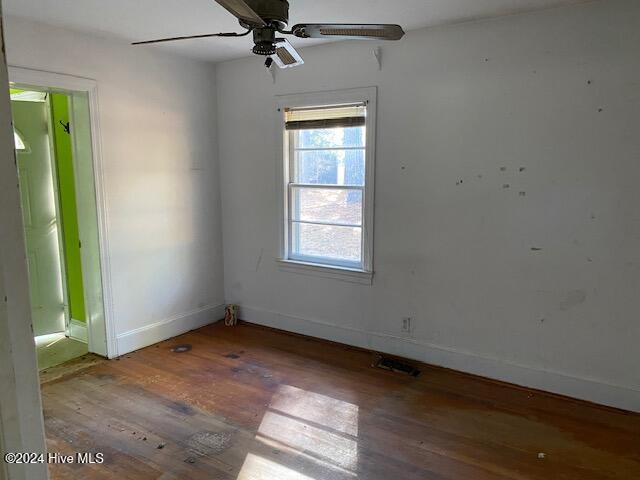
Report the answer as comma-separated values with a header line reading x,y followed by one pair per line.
x,y
158,124
462,103
21,424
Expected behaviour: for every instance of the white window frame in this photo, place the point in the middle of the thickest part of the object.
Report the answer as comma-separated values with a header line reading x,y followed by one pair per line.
x,y
368,96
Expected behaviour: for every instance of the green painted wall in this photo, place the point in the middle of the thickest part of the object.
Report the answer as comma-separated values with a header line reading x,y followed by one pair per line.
x,y
69,209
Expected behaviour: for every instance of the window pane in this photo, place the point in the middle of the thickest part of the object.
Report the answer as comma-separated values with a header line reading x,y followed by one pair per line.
x,y
339,243
327,205
330,167
354,167
331,137
17,139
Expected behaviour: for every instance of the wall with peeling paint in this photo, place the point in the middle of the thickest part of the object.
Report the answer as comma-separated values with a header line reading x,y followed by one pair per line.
x,y
507,195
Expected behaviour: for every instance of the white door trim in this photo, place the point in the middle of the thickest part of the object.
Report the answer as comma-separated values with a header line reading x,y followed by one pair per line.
x,y
52,80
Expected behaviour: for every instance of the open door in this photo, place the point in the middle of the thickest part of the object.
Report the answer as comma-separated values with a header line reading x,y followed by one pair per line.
x,y
40,215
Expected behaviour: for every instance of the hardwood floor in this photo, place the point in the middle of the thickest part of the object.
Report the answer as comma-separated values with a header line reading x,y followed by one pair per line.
x,y
252,403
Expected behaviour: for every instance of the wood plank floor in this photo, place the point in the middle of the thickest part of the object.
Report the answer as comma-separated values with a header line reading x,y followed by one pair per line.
x,y
252,403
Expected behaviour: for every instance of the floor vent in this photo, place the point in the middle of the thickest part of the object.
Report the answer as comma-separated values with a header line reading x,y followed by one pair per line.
x,y
394,365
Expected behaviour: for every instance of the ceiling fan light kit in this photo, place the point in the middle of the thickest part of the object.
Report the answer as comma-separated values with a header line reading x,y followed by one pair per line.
x,y
268,18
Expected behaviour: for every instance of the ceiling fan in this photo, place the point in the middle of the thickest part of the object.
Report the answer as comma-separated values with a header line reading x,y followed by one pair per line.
x,y
266,18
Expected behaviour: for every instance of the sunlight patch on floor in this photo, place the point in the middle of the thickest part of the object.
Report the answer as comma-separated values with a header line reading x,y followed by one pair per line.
x,y
315,408
259,468
330,470
317,433
318,442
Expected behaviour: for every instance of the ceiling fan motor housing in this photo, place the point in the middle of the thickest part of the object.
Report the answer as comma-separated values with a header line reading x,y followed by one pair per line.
x,y
265,40
273,12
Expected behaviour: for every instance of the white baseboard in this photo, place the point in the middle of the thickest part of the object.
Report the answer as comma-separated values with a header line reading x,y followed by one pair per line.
x,y
165,329
78,330
581,388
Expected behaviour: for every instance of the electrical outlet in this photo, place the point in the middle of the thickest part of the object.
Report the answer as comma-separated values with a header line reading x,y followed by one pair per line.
x,y
406,324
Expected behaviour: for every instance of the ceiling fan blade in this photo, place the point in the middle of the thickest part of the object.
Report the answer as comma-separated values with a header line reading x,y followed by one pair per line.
x,y
286,56
346,30
206,35
242,11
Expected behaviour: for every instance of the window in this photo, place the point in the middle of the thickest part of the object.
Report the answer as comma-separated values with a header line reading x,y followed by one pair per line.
x,y
328,187
20,145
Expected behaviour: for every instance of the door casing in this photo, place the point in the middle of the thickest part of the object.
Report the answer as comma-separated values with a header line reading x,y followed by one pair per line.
x,y
93,220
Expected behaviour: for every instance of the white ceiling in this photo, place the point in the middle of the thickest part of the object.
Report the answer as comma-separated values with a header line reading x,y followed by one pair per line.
x,y
149,19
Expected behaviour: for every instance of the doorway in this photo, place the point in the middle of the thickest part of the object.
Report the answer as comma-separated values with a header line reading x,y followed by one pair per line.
x,y
42,137
55,156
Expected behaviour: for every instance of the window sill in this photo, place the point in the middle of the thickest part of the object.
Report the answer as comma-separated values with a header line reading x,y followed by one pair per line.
x,y
337,273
